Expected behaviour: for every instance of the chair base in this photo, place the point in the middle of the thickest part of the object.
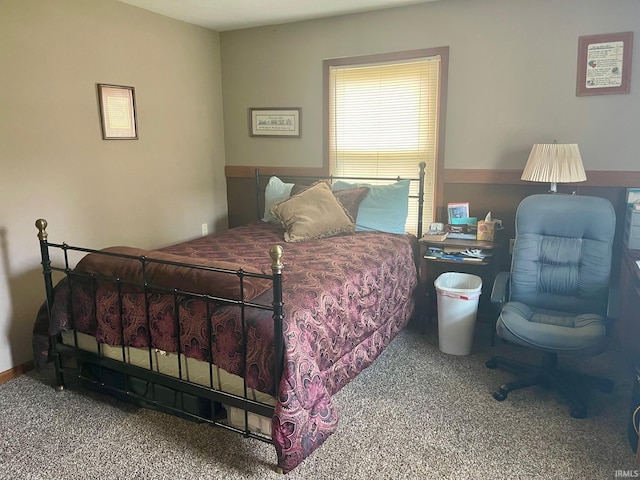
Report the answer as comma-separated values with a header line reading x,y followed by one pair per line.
x,y
549,376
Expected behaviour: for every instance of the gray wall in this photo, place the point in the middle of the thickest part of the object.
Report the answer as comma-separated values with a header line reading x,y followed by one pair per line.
x,y
512,79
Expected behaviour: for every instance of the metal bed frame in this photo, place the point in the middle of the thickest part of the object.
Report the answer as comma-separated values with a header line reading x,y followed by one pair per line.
x,y
72,361
75,358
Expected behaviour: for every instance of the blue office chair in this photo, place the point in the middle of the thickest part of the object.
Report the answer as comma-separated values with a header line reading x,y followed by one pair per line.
x,y
555,298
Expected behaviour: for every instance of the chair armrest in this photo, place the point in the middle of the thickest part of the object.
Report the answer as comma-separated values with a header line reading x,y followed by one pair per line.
x,y
500,290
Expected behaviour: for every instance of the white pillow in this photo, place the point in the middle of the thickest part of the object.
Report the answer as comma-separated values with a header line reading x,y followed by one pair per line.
x,y
275,191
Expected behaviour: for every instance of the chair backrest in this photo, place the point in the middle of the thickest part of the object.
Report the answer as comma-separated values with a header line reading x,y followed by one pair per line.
x,y
562,253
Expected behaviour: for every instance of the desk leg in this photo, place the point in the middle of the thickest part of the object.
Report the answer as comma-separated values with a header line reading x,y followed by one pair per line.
x,y
431,311
428,312
421,309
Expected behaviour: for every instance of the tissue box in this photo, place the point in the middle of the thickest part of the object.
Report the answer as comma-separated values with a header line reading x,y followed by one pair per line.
x,y
487,230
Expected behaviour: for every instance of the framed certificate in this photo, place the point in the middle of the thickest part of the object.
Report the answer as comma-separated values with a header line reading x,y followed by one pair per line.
x,y
117,112
604,64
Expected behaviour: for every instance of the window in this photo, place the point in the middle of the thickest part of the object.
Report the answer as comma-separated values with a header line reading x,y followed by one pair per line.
x,y
383,116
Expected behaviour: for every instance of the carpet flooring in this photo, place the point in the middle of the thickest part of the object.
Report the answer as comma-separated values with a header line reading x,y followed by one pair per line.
x,y
416,413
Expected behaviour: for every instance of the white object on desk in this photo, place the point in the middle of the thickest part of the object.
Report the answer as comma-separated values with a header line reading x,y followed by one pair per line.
x,y
633,195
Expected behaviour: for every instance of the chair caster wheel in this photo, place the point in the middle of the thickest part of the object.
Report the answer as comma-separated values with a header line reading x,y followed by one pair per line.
x,y
579,413
499,396
491,364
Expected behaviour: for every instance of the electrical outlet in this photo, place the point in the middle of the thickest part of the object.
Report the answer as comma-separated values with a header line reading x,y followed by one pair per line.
x,y
511,242
205,229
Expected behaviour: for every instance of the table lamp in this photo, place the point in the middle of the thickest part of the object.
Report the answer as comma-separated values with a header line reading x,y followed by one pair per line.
x,y
554,163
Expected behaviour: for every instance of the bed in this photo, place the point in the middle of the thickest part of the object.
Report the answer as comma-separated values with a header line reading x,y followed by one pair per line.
x,y
252,329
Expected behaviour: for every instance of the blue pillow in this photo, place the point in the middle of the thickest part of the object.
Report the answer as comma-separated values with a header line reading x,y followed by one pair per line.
x,y
384,209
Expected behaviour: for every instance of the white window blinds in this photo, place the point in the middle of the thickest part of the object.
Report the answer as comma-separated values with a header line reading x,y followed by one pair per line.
x,y
383,123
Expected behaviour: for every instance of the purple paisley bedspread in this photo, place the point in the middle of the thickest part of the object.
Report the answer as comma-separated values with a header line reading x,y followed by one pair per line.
x,y
345,298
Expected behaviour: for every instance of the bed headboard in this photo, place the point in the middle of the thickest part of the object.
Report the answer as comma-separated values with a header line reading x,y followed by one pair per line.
x,y
261,179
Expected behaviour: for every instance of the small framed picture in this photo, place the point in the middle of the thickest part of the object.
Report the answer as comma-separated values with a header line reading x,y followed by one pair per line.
x,y
117,112
457,210
275,122
604,64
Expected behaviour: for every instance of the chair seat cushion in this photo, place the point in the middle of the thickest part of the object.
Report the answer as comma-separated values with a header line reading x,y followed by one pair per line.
x,y
550,331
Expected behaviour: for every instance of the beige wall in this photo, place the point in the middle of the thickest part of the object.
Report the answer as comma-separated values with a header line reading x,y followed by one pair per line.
x,y
54,164
512,79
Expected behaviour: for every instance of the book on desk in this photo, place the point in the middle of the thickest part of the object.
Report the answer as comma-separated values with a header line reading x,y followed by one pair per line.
x,y
454,232
438,236
451,256
466,231
469,255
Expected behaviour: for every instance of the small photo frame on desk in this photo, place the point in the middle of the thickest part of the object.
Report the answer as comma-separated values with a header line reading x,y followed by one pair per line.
x,y
457,210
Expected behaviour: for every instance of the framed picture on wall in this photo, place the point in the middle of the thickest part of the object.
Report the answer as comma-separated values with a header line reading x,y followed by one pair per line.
x,y
604,64
275,122
117,112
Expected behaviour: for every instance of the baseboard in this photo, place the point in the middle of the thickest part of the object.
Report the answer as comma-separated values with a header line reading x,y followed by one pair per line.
x,y
15,372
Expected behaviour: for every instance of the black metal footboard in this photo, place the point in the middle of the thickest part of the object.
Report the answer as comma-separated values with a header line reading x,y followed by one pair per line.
x,y
169,392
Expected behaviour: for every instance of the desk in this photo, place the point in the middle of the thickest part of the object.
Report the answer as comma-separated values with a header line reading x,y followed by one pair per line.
x,y
487,269
627,326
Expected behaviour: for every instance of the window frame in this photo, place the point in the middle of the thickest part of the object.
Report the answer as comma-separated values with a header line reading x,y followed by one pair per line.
x,y
408,55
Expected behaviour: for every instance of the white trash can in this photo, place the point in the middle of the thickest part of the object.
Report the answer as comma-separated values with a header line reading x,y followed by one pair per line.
x,y
458,295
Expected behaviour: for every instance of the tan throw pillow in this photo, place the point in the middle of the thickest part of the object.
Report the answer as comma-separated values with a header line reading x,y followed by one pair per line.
x,y
312,213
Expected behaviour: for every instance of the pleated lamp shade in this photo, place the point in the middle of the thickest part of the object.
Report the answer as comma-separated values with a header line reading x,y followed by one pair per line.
x,y
554,163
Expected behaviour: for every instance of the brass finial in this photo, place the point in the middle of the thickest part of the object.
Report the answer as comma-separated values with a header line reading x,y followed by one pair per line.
x,y
275,253
41,225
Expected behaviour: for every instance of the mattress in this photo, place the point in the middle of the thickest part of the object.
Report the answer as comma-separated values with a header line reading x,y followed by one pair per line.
x,y
195,371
